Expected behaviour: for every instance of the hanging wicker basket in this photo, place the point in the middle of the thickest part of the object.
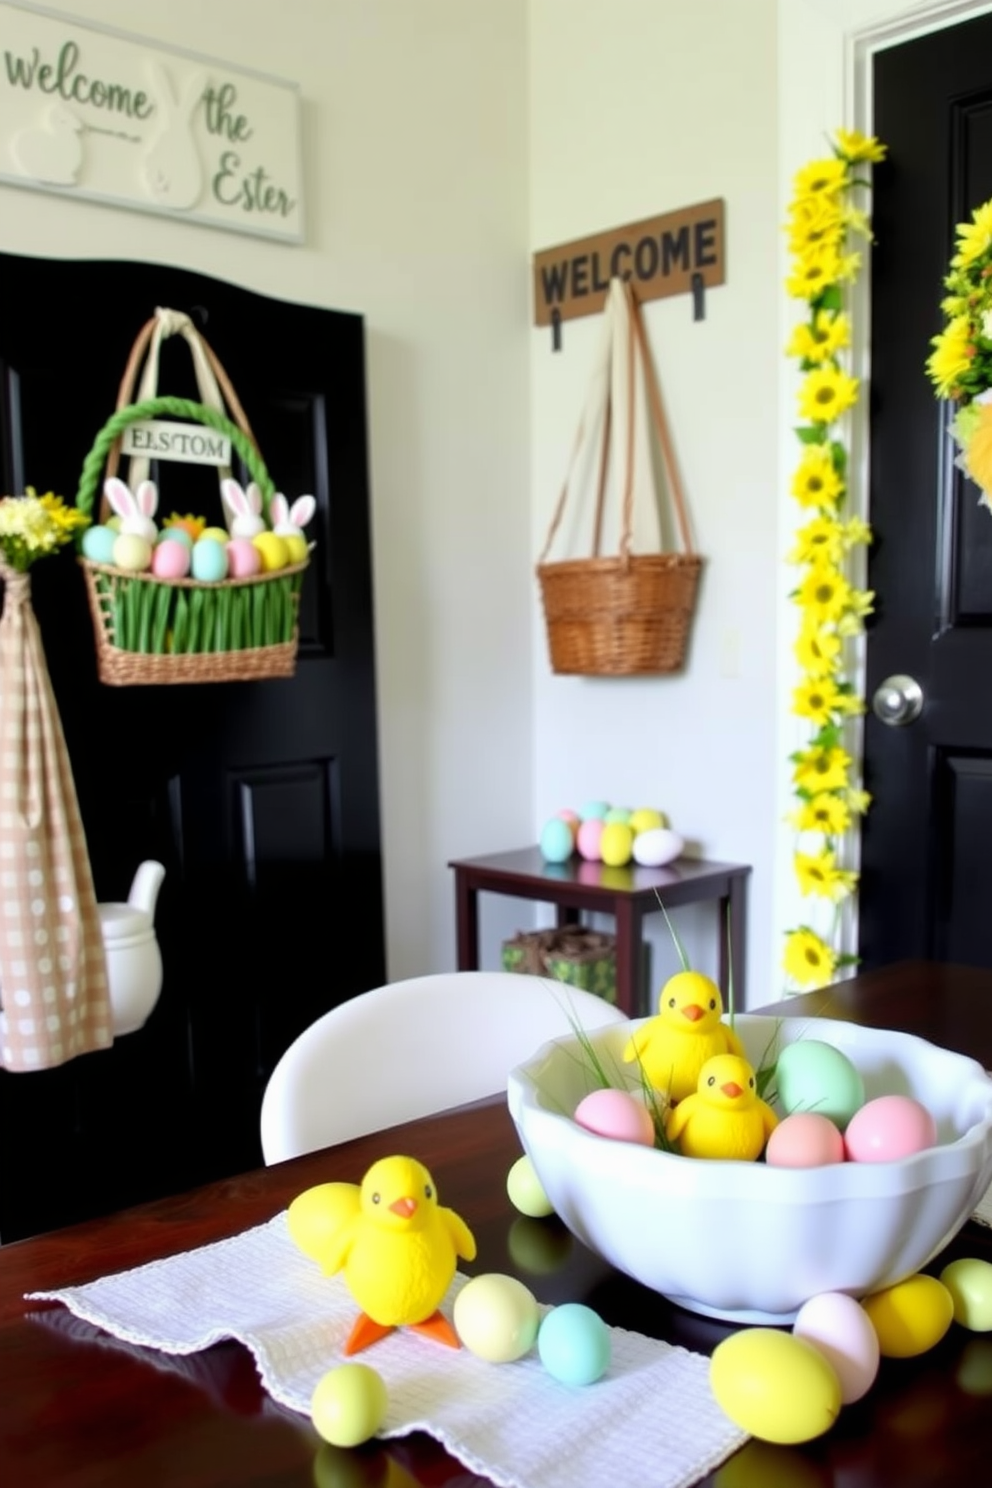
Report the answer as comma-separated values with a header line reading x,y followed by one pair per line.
x,y
151,630
629,614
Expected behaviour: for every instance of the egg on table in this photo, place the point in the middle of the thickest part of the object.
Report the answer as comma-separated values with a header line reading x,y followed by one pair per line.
x,y
496,1317
775,1386
843,1332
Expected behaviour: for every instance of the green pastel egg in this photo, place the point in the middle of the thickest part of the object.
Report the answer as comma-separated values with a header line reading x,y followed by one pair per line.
x,y
811,1075
969,1282
526,1191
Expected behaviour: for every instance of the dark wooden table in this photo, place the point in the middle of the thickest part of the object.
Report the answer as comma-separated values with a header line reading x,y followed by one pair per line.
x,y
81,1410
629,894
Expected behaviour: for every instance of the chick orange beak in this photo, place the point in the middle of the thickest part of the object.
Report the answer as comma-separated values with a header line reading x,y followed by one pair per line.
x,y
404,1207
730,1090
693,1012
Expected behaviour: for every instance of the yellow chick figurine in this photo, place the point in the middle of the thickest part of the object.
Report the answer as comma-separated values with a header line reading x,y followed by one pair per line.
x,y
726,1117
673,1046
398,1247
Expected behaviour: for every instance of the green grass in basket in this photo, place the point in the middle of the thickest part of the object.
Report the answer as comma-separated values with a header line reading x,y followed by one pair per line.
x,y
160,619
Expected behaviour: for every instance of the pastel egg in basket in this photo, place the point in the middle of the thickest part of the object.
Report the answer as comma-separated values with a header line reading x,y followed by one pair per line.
x,y
746,1241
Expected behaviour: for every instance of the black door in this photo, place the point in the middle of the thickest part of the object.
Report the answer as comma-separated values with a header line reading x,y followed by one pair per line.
x,y
260,798
925,884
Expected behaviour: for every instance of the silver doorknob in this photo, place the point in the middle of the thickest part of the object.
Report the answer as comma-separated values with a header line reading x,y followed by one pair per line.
x,y
898,701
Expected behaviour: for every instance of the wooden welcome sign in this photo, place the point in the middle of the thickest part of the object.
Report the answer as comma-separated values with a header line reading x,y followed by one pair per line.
x,y
660,256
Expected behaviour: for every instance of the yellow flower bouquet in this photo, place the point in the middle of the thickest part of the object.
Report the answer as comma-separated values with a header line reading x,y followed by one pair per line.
x,y
822,218
960,364
32,526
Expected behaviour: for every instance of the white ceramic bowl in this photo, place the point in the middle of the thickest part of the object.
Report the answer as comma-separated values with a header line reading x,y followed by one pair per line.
x,y
745,1241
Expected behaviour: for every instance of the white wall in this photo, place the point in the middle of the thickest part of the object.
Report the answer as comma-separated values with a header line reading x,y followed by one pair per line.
x,y
639,107
416,186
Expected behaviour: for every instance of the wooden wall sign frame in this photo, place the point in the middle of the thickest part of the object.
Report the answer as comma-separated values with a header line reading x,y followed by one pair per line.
x,y
678,253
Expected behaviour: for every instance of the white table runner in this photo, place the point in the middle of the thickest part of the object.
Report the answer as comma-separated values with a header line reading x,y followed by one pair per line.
x,y
651,1420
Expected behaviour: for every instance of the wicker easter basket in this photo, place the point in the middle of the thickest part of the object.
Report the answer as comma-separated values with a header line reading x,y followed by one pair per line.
x,y
151,630
628,614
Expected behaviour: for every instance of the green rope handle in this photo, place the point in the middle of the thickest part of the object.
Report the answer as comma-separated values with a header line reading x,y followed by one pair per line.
x,y
93,465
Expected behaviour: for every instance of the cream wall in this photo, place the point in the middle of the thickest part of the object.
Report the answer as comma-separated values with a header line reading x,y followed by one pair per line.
x,y
639,107
415,127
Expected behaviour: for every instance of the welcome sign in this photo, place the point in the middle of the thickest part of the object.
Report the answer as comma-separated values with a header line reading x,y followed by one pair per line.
x,y
95,114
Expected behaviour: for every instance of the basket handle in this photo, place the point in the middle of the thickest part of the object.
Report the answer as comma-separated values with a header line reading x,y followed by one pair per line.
x,y
637,351
93,465
211,377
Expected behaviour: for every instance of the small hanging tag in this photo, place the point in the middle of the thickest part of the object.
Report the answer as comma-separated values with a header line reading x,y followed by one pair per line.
x,y
698,297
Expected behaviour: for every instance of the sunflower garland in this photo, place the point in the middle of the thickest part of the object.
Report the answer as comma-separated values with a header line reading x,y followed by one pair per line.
x,y
822,221
960,364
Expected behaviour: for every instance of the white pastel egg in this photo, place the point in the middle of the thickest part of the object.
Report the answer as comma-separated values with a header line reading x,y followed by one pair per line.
x,y
657,846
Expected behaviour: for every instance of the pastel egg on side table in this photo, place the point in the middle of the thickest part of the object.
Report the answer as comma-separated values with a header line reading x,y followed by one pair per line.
x,y
594,810
557,843
811,1075
209,561
349,1404
646,819
589,837
656,847
98,544
616,844
616,1114
889,1128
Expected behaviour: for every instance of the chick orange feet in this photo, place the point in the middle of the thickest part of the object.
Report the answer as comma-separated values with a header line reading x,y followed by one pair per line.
x,y
366,1331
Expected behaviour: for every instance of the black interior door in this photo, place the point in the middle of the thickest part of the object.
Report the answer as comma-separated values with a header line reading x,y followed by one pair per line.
x,y
260,798
924,888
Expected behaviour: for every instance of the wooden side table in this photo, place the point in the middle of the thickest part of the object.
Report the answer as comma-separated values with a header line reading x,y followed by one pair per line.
x,y
629,894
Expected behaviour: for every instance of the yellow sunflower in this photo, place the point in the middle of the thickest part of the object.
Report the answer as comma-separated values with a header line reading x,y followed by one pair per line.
x,y
825,813
856,533
829,332
824,594
974,237
853,145
860,604
820,541
821,770
818,651
816,482
820,875
813,272
858,800
807,959
817,699
825,394
952,355
820,178
815,222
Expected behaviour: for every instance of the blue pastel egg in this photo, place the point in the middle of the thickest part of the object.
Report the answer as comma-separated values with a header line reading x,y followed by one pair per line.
x,y
597,809
175,534
98,544
209,560
557,842
574,1344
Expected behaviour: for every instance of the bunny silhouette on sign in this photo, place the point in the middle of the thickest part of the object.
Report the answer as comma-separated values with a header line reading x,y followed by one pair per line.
x,y
52,153
135,510
244,508
289,521
171,168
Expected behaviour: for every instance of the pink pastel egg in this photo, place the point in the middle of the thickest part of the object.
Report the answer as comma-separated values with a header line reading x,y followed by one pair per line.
x,y
841,1330
588,839
171,560
616,1114
805,1140
243,558
888,1128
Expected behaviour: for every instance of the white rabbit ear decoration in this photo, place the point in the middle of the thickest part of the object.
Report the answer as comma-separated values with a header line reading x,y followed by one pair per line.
x,y
290,520
244,508
135,510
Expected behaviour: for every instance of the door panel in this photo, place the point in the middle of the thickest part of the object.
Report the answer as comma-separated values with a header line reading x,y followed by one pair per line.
x,y
931,562
261,798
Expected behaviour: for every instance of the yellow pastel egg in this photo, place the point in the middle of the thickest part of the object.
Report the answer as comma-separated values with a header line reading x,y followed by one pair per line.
x,y
525,1190
646,819
616,844
349,1404
132,552
297,546
496,1317
272,550
775,1386
910,1317
969,1282
217,534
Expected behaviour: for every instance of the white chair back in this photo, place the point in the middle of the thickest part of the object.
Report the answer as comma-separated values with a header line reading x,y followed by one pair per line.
x,y
411,1048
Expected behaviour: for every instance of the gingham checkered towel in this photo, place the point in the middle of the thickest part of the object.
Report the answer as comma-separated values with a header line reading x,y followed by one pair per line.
x,y
651,1419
